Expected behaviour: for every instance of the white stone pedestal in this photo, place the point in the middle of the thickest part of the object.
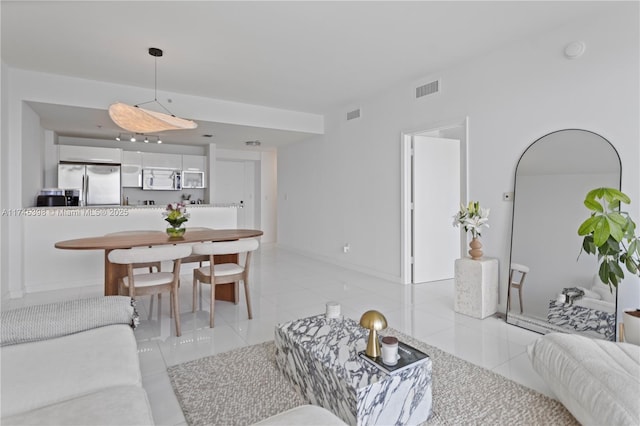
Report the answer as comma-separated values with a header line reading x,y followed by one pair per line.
x,y
476,287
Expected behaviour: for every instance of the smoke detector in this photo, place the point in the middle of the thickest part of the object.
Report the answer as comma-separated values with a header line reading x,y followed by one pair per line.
x,y
574,49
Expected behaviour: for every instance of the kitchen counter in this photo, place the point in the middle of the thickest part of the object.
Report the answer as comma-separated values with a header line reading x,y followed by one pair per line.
x,y
47,268
141,206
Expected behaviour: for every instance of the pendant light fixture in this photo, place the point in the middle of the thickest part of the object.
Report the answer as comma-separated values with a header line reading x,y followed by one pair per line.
x,y
140,120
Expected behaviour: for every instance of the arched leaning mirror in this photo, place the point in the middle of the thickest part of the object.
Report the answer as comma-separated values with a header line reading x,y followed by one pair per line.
x,y
550,287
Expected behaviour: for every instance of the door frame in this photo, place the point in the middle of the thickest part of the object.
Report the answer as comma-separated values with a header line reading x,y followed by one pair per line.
x,y
436,130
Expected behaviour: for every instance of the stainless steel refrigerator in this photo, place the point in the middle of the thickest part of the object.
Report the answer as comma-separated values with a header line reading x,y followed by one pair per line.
x,y
98,184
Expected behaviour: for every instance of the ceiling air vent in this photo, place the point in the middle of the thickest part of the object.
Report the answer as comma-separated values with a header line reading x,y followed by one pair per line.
x,y
353,114
428,89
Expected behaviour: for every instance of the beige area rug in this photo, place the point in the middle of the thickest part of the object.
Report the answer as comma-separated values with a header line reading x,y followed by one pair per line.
x,y
244,386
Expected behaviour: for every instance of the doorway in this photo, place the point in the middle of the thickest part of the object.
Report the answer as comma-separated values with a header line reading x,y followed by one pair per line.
x,y
434,183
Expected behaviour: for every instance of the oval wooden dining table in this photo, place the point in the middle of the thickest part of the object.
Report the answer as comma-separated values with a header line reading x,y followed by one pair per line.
x,y
113,271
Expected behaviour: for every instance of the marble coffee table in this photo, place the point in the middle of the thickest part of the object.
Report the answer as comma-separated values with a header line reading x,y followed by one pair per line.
x,y
320,358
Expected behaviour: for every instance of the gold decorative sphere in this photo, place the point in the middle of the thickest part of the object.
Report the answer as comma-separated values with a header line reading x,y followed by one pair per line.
x,y
373,321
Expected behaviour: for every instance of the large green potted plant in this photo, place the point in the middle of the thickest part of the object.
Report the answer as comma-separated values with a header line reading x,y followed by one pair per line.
x,y
610,233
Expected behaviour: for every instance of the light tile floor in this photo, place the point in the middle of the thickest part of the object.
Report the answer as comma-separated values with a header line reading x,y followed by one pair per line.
x,y
285,286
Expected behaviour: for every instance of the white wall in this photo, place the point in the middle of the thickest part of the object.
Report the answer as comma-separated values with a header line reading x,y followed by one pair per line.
x,y
345,185
33,152
4,192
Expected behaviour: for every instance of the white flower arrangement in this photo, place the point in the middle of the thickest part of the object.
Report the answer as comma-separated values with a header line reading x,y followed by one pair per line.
x,y
472,218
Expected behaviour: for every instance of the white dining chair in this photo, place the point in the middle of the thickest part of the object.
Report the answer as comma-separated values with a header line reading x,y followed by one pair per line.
x,y
152,283
195,258
224,273
133,233
149,265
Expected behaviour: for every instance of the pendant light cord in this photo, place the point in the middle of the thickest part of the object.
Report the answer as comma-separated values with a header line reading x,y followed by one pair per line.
x,y
155,88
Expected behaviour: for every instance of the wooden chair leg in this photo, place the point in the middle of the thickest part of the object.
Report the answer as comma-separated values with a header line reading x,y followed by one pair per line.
x,y
520,297
213,299
246,294
176,310
195,285
236,291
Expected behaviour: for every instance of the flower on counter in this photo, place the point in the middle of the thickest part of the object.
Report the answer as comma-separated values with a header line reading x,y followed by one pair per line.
x,y
176,214
472,218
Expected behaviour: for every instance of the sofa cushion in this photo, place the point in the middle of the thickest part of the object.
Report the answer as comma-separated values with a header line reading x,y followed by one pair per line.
x,y
50,371
121,405
598,381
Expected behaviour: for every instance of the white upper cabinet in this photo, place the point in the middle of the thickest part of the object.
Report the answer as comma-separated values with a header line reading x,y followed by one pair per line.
x,y
194,163
89,154
194,169
154,160
131,169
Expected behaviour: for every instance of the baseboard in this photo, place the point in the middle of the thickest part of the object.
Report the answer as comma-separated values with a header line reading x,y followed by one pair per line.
x,y
61,285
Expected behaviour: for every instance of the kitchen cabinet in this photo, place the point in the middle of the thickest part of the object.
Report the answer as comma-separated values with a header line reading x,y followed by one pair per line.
x,y
132,169
192,179
193,171
89,154
195,163
154,160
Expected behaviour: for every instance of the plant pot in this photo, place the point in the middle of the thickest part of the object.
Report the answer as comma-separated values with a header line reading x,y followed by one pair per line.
x,y
476,249
632,327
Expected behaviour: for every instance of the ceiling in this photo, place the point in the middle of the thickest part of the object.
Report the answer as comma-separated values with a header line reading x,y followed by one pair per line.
x,y
295,55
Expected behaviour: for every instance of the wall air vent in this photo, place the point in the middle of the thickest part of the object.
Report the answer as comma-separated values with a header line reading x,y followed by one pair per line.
x,y
428,89
351,115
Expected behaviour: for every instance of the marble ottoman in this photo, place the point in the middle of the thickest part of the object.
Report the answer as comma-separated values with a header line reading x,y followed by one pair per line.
x,y
320,358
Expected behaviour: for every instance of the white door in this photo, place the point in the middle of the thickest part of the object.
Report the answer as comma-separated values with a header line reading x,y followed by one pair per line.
x,y
436,198
235,184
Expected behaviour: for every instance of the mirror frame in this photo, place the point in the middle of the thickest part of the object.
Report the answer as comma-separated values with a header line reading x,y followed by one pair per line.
x,y
534,327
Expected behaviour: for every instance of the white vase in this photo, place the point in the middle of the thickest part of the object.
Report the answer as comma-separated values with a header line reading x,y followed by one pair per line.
x,y
632,327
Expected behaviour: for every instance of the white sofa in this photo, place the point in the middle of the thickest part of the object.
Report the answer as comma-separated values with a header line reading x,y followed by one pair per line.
x,y
598,381
72,363
303,415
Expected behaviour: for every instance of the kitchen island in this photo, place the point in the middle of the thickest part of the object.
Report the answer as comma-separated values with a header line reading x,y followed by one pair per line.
x,y
47,268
